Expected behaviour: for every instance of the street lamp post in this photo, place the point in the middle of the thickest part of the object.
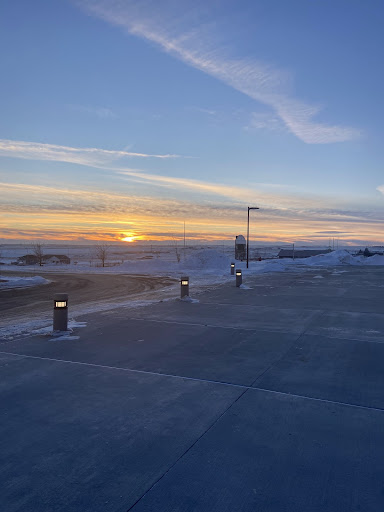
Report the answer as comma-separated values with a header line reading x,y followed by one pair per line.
x,y
249,208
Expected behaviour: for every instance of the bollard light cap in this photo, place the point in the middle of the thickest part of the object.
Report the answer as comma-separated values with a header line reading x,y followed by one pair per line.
x,y
60,300
60,297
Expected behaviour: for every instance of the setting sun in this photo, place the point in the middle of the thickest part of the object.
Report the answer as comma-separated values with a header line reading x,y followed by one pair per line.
x,y
129,238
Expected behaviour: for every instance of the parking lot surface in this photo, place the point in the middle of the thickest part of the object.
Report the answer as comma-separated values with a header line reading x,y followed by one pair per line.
x,y
269,398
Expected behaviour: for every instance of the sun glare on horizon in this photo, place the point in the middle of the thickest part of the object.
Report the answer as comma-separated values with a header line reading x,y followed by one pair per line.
x,y
129,237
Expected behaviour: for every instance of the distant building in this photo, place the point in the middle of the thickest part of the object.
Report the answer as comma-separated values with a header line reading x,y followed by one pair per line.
x,y
28,259
370,252
48,259
56,259
240,248
303,253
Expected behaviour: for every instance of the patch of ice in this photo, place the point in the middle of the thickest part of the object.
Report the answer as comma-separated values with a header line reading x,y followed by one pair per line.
x,y
73,324
189,299
10,282
245,287
64,336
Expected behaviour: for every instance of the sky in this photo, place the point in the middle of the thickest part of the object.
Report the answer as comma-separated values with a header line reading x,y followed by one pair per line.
x,y
125,119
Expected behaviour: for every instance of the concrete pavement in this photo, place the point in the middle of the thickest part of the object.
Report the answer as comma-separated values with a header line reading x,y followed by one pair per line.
x,y
267,399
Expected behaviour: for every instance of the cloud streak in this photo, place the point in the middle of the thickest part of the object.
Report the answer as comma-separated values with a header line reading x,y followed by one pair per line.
x,y
100,112
106,161
182,33
83,156
270,197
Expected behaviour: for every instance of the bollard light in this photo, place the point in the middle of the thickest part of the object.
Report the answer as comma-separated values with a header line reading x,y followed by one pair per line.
x,y
239,277
232,269
60,312
184,287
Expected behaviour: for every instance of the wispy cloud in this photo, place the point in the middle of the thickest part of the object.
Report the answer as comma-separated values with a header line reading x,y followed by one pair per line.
x,y
100,112
266,121
83,156
267,196
204,110
380,188
178,29
109,161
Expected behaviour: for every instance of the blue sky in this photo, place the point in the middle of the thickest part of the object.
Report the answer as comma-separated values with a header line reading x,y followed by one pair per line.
x,y
128,117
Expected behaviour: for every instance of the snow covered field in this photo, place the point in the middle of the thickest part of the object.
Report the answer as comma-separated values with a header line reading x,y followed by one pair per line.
x,y
196,262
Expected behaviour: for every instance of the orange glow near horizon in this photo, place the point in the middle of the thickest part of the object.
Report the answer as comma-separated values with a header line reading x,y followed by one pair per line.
x,y
130,238
37,213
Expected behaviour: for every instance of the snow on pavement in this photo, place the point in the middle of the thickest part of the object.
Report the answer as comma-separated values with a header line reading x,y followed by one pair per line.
x,y
8,282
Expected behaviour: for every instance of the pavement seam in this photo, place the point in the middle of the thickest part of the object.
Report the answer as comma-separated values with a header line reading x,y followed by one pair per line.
x,y
120,368
195,379
343,339
257,329
188,450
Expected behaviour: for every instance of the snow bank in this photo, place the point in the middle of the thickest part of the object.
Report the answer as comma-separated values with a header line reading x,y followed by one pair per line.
x,y
373,260
332,259
207,261
203,261
7,282
341,257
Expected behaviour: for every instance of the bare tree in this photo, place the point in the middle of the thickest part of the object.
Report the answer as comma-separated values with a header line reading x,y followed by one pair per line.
x,y
38,251
101,253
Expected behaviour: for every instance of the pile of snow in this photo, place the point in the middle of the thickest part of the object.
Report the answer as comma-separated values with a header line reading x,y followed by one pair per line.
x,y
206,260
341,257
374,260
203,261
153,266
7,282
332,259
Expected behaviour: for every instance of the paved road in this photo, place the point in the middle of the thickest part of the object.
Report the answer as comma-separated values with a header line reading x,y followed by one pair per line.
x,y
81,288
269,399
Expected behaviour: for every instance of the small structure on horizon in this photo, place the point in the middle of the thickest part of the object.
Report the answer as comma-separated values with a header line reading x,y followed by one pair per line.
x,y
47,259
240,248
303,253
